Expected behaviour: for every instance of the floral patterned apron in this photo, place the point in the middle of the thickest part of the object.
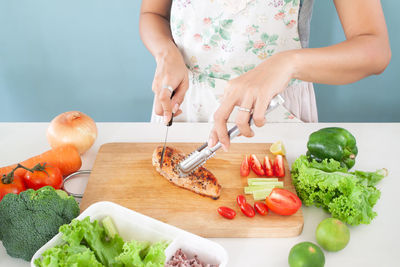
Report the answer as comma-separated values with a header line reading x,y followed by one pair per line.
x,y
222,39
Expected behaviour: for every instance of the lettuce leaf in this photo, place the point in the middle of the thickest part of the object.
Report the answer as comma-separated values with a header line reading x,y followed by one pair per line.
x,y
349,197
142,254
66,255
94,236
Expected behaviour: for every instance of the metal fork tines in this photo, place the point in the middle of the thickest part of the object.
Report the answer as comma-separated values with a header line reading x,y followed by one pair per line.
x,y
196,159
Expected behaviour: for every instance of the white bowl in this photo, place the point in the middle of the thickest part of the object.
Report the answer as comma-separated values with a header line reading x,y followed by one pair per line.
x,y
132,225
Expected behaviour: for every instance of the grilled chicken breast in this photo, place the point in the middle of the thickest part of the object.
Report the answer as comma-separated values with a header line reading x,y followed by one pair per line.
x,y
201,181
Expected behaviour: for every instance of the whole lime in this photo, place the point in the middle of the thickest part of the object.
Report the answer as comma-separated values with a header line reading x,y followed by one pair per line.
x,y
306,254
332,234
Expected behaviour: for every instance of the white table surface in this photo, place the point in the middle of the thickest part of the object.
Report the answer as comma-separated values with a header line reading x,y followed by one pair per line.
x,y
376,244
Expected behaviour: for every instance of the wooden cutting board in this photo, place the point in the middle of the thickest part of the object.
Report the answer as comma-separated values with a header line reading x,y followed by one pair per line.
x,y
123,173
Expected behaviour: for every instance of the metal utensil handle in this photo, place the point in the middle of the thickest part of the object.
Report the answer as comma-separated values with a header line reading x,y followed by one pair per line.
x,y
75,195
234,131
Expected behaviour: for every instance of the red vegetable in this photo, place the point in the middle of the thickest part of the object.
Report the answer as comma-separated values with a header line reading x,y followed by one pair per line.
x,y
12,182
261,208
241,200
268,167
15,187
245,168
227,212
279,167
247,210
43,175
256,165
283,202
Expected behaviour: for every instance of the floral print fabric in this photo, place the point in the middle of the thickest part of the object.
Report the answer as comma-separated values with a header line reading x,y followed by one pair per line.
x,y
222,39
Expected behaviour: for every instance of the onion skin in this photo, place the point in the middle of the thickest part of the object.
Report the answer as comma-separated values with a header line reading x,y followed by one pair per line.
x,y
72,127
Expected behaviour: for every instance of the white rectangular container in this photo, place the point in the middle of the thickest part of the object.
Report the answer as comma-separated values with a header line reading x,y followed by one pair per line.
x,y
132,225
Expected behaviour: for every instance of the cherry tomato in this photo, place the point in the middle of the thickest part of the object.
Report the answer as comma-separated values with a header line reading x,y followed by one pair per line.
x,y
256,165
247,210
261,208
241,200
49,176
268,167
279,168
283,202
227,212
245,168
15,187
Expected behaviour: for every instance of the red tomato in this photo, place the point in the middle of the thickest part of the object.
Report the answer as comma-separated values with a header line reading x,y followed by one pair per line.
x,y
247,210
283,202
49,176
261,208
268,167
15,187
227,212
245,168
256,165
241,200
279,167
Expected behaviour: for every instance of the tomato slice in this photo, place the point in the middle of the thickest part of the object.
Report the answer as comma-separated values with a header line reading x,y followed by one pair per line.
x,y
226,212
247,210
283,202
279,167
245,168
261,208
268,167
241,200
256,165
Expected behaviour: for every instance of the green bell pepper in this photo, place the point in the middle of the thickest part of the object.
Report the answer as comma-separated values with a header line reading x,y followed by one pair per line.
x,y
333,143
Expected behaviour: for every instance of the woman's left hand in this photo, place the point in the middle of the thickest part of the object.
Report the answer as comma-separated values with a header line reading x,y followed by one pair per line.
x,y
252,90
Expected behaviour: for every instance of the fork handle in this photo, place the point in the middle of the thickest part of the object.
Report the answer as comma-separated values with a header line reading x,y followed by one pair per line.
x,y
234,131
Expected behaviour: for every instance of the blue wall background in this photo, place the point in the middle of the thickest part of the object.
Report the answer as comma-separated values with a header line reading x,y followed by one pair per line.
x,y
59,55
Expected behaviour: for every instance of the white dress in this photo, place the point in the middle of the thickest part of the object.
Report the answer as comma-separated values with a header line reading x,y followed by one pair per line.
x,y
222,39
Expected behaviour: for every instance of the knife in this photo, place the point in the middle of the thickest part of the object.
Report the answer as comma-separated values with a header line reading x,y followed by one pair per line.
x,y
166,135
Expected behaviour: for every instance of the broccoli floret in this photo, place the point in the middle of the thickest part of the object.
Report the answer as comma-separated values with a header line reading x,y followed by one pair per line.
x,y
30,219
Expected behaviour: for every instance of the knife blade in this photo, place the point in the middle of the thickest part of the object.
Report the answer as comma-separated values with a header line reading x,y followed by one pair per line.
x,y
166,135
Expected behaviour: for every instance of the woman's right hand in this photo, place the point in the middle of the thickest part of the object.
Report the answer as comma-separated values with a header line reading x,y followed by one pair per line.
x,y
171,71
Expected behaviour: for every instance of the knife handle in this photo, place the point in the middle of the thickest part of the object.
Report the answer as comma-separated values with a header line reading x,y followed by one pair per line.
x,y
172,117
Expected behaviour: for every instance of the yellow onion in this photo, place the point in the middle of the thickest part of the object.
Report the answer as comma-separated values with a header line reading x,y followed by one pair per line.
x,y
72,127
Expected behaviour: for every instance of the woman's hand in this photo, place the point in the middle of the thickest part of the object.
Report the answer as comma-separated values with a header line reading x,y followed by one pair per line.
x,y
171,71
252,90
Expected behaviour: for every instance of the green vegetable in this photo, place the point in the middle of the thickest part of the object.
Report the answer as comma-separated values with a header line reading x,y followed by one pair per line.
x,y
94,236
91,244
66,255
138,254
306,254
261,187
109,227
347,196
332,234
254,188
250,181
261,195
30,219
333,143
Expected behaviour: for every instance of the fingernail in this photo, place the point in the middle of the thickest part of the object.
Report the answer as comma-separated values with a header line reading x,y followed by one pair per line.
x,y
210,142
165,120
175,109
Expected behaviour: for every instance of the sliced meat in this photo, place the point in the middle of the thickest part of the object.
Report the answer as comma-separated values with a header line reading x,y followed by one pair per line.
x,y
202,181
